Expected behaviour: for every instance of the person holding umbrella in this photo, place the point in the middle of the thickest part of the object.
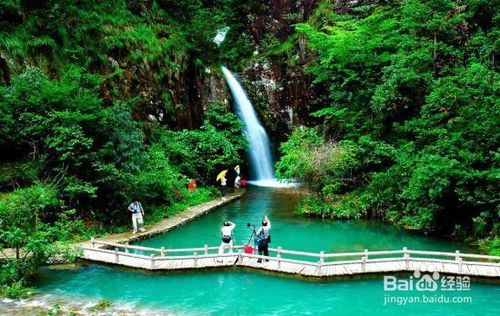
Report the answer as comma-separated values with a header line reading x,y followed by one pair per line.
x,y
237,183
223,182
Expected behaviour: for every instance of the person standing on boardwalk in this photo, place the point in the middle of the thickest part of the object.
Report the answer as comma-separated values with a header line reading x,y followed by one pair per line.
x,y
263,238
227,237
137,215
223,183
237,184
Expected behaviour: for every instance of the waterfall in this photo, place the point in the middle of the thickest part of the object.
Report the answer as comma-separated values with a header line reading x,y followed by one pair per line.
x,y
259,149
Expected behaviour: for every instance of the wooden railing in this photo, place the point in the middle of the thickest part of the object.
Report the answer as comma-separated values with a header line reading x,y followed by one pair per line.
x,y
307,260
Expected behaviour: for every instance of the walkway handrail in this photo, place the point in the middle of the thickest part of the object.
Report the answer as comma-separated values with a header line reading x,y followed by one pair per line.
x,y
453,254
364,255
296,262
162,251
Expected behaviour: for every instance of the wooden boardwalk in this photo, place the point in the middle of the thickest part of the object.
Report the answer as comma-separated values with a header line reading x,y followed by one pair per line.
x,y
170,223
161,227
306,264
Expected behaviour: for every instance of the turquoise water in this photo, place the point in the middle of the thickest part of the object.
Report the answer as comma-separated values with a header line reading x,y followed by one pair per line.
x,y
229,292
294,232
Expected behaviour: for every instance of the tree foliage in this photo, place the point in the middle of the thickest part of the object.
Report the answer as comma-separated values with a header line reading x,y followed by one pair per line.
x,y
413,88
26,238
88,117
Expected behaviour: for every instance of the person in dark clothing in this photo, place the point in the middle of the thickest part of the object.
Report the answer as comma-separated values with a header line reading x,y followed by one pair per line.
x,y
263,238
223,183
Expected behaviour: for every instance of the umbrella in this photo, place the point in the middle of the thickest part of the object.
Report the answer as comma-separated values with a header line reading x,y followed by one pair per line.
x,y
220,175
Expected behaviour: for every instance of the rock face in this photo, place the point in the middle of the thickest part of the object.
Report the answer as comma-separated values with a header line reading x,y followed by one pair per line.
x,y
178,99
282,91
179,95
278,16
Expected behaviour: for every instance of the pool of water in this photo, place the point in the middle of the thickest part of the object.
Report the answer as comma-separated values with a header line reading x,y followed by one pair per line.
x,y
229,292
294,232
244,293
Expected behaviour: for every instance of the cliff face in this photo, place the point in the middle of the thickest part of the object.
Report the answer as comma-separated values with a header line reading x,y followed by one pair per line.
x,y
178,100
283,92
145,54
275,77
167,82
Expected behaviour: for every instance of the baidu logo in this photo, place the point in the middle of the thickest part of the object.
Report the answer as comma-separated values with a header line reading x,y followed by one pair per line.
x,y
426,282
426,288
418,281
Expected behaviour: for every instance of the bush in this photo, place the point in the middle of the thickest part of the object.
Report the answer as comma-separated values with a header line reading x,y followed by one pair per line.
x,y
16,290
413,111
203,152
30,238
340,207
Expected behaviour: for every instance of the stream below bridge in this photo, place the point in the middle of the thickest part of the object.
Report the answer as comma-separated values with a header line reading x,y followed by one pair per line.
x,y
230,292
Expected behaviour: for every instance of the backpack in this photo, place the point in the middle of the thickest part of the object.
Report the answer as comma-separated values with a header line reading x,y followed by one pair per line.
x,y
260,240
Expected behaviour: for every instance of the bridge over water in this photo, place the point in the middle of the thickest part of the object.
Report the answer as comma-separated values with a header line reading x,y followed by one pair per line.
x,y
307,264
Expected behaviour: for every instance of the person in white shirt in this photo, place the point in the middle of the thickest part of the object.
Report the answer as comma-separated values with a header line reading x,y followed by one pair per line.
x,y
137,214
263,238
237,183
227,237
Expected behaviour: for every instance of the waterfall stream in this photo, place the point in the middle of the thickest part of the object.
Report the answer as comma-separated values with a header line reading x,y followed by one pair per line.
x,y
259,148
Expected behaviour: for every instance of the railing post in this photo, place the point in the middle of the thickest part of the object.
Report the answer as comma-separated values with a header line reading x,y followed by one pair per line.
x,y
206,249
116,255
320,263
152,261
363,261
278,256
406,257
195,259
126,247
458,259
162,251
92,242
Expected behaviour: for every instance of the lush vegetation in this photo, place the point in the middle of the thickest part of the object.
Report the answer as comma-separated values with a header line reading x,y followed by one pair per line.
x,y
410,130
92,114
104,101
